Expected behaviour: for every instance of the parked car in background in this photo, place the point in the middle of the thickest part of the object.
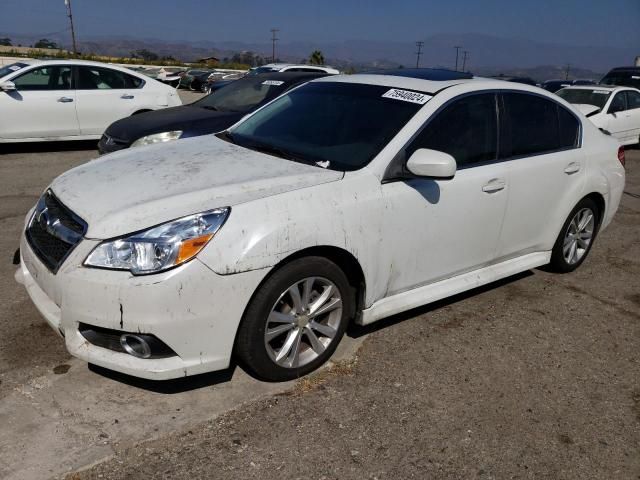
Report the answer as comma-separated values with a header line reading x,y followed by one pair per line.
x,y
210,114
623,76
195,80
348,199
170,75
516,79
219,79
613,109
583,81
73,99
293,67
555,85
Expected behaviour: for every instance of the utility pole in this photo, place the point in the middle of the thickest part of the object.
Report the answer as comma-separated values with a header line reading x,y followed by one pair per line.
x,y
73,33
465,55
566,71
418,53
274,39
457,51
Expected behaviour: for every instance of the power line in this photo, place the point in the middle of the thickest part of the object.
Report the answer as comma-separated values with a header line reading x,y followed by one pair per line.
x,y
457,51
274,39
418,53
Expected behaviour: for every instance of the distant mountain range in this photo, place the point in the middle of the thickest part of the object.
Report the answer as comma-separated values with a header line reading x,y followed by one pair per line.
x,y
487,54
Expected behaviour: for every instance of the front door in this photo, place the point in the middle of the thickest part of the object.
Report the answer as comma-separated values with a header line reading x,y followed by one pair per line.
x,y
440,228
42,106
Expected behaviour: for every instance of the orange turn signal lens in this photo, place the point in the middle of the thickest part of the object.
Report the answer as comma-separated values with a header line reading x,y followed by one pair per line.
x,y
191,247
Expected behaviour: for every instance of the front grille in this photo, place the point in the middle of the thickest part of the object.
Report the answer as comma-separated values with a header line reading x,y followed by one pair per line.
x,y
54,231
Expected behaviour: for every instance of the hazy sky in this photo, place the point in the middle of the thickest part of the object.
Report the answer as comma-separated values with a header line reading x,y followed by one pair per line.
x,y
572,22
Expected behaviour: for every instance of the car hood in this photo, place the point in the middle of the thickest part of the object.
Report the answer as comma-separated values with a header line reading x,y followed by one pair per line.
x,y
135,189
587,109
185,117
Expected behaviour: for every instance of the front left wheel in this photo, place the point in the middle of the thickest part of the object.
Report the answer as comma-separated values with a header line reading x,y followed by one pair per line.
x,y
295,320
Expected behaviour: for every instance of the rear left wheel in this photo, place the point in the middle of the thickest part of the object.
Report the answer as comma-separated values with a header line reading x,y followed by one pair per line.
x,y
295,320
576,237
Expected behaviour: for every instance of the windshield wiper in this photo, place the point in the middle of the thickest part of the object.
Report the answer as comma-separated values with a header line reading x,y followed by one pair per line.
x,y
278,152
226,136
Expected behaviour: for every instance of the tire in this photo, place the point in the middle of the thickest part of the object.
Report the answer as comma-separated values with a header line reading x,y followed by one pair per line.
x,y
277,339
575,240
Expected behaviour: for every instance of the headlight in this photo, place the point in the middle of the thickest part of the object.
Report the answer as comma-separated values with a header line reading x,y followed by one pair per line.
x,y
161,247
158,138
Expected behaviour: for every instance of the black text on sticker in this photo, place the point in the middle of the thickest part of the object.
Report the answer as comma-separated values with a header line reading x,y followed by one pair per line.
x,y
407,96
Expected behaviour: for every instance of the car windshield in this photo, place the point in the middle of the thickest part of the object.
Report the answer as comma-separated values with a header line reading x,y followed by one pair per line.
x,y
14,67
242,95
588,96
625,79
341,126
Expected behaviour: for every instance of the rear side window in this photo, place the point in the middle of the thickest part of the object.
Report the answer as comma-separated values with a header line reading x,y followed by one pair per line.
x,y
533,125
466,129
98,78
45,78
633,99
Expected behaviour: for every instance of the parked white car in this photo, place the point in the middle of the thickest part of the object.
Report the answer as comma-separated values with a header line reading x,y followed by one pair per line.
x,y
293,67
170,75
614,109
72,99
347,199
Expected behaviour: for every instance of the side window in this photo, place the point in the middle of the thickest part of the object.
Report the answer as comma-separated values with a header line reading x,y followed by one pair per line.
x,y
618,104
466,129
569,128
98,78
529,126
633,99
45,78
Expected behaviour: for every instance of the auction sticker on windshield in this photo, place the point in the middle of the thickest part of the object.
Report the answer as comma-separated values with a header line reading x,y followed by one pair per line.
x,y
275,83
407,96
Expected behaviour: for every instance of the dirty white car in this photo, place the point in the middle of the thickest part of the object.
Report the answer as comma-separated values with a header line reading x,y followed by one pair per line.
x,y
613,109
348,199
73,99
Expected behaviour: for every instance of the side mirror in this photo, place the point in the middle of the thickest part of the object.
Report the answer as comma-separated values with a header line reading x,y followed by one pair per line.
x,y
432,163
7,86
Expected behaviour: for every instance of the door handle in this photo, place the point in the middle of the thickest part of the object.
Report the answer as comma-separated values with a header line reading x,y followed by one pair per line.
x,y
494,185
65,99
126,96
572,168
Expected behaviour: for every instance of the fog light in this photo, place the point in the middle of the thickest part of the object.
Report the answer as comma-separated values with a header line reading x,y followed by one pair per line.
x,y
135,345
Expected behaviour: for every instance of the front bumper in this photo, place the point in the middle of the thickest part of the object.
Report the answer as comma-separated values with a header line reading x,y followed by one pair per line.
x,y
195,311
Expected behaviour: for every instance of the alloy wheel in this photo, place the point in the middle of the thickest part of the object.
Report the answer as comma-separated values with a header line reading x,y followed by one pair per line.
x,y
303,322
578,236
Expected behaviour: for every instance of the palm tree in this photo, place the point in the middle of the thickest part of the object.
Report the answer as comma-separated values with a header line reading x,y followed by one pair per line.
x,y
316,58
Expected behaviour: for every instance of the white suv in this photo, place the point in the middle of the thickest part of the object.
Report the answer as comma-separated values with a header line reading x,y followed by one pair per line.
x,y
293,67
347,199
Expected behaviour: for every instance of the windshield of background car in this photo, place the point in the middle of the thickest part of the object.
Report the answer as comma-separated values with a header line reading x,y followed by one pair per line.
x,y
341,126
14,67
242,95
595,97
624,79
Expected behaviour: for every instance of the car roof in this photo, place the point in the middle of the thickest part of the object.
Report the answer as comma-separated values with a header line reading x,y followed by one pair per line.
x,y
428,86
287,76
595,87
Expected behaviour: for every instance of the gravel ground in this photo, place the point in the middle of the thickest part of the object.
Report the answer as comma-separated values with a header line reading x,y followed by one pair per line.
x,y
534,377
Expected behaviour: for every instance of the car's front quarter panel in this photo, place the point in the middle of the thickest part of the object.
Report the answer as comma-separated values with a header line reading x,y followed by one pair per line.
x,y
346,214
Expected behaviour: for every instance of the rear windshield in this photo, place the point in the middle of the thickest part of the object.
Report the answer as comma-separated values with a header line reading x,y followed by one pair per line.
x,y
242,95
595,97
622,78
14,67
341,126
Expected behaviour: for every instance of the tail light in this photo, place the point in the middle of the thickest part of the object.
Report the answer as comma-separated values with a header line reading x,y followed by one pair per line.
x,y
621,156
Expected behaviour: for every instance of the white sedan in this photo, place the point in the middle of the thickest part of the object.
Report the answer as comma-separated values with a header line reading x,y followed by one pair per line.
x,y
613,109
72,99
347,199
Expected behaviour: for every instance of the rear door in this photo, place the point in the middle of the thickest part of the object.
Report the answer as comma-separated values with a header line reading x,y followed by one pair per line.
x,y
539,143
42,106
104,95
